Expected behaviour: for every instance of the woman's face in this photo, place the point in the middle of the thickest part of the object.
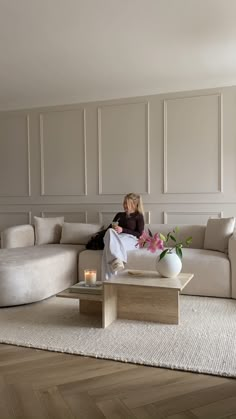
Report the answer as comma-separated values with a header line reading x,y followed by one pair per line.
x,y
129,206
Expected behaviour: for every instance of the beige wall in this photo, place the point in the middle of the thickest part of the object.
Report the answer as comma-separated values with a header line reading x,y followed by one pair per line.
x,y
177,150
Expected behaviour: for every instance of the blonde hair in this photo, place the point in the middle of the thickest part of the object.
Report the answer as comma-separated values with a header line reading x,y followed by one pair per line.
x,y
137,200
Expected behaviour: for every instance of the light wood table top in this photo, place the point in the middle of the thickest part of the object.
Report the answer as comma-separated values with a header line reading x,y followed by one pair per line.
x,y
150,279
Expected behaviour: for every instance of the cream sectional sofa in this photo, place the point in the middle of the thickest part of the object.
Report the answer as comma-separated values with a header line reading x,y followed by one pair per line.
x,y
31,272
211,257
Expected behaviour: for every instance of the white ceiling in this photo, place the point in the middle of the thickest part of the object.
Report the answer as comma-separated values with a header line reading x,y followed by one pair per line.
x,y
70,51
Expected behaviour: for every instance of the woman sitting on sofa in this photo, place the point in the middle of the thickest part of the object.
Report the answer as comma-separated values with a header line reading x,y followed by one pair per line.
x,y
126,228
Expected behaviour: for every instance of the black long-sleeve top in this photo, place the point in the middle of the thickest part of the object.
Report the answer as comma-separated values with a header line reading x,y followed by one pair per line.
x,y
131,224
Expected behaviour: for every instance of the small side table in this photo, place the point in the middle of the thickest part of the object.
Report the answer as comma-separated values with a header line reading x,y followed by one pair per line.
x,y
91,298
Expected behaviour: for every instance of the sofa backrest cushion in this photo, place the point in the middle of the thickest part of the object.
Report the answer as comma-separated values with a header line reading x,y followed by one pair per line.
x,y
197,232
48,230
218,232
78,233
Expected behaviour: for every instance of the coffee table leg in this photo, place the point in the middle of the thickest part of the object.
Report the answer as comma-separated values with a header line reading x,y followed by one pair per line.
x,y
90,307
109,310
159,305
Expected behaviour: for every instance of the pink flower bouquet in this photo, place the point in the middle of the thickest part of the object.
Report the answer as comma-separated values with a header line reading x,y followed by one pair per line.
x,y
156,241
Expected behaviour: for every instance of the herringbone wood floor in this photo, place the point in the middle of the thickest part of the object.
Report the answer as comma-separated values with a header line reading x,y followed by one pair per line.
x,y
40,384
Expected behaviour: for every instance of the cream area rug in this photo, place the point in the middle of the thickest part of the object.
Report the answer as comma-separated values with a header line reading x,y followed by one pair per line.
x,y
204,341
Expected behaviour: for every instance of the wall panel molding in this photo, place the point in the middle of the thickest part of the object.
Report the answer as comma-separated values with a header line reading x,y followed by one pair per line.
x,y
109,215
101,190
219,188
50,213
42,154
27,122
208,214
28,154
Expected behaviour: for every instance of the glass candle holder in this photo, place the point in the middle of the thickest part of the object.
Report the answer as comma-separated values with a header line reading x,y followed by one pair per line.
x,y
90,277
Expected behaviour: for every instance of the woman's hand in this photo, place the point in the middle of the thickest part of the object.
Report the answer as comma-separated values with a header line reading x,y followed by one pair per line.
x,y
118,229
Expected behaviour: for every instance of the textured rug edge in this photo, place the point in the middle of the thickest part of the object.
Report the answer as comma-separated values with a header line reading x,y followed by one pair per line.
x,y
118,359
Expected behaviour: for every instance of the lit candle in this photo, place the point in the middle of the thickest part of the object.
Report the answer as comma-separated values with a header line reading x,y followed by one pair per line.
x,y
90,277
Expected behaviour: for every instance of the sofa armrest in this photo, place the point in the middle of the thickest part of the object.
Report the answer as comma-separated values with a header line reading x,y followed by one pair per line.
x,y
17,236
232,258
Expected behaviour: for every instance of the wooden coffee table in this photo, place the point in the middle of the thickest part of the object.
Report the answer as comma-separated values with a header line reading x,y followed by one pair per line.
x,y
143,295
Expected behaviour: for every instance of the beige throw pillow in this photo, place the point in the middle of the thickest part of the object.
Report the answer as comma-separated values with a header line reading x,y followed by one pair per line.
x,y
48,230
218,232
78,233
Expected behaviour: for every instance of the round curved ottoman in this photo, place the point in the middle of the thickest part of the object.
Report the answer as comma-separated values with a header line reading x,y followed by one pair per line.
x,y
29,274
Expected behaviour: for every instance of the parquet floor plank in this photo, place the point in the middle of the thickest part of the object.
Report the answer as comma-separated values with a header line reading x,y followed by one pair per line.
x,y
195,399
54,404
217,409
36,384
146,412
82,405
105,385
25,402
131,387
77,369
6,409
177,387
115,409
14,364
184,415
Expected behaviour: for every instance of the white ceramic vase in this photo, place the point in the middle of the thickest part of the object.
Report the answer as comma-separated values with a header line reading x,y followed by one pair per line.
x,y
169,266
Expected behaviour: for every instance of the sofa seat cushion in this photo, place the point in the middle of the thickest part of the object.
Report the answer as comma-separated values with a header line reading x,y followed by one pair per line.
x,y
211,269
211,273
29,274
25,256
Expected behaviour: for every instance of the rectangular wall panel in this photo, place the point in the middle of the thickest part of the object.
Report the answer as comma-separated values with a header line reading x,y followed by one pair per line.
x,y
14,156
106,217
193,145
123,137
63,153
70,216
190,217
